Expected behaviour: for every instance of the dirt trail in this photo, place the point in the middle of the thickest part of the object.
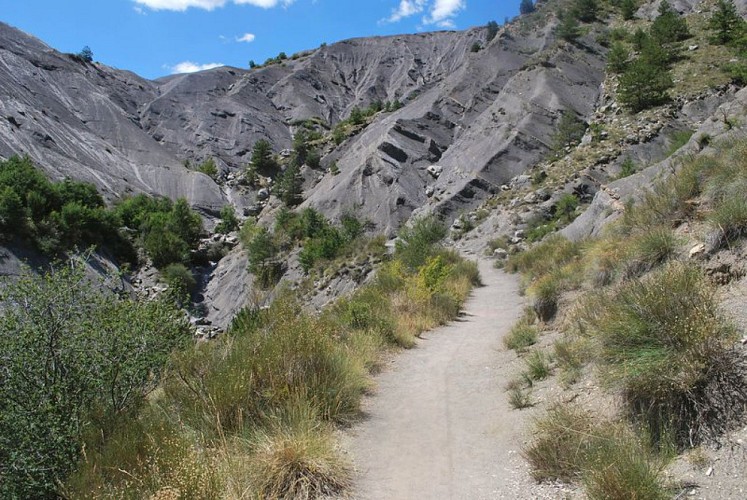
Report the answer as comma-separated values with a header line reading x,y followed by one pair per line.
x,y
439,425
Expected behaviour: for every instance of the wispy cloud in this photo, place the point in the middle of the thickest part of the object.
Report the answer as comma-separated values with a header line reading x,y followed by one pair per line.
x,y
182,5
442,12
406,8
191,67
246,37
439,12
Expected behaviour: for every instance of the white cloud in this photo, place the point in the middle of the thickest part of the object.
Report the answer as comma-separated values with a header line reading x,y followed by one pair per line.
x,y
442,12
406,8
190,67
182,5
246,37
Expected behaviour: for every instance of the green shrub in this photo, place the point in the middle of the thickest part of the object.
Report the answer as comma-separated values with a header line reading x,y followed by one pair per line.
x,y
648,250
679,139
729,219
228,220
208,168
75,358
180,280
610,460
56,217
627,168
617,58
622,466
571,357
664,343
563,442
521,336
519,398
541,259
168,231
297,459
570,131
644,84
293,355
538,365
417,243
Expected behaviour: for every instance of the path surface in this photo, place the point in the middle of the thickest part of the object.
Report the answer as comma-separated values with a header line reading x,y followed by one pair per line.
x,y
439,426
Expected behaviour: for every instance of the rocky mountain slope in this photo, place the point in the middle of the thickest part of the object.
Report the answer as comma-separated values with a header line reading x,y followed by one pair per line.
x,y
476,114
483,116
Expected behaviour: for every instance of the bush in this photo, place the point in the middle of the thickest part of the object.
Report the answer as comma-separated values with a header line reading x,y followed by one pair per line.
x,y
55,217
297,460
228,220
628,9
569,133
168,231
417,243
538,365
521,336
664,343
541,259
526,7
729,220
610,460
491,30
208,168
644,84
563,443
75,358
293,357
725,24
180,280
648,250
262,160
617,58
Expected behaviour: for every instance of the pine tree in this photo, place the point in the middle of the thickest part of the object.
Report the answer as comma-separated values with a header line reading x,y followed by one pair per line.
x,y
290,186
586,10
725,23
492,30
669,27
262,159
86,54
628,9
644,84
568,27
526,7
617,58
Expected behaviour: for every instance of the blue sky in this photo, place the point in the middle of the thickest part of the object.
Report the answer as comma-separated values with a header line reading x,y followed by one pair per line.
x,y
157,37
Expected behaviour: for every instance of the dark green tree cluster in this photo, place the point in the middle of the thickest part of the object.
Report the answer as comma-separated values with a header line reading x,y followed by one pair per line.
x,y
526,7
228,220
645,80
628,9
55,216
728,28
86,54
167,231
262,160
491,30
327,241
76,360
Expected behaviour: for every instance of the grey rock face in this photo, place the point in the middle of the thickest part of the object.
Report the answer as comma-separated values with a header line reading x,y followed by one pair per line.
x,y
482,118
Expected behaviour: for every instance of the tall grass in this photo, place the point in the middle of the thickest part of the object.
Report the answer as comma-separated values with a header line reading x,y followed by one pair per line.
x,y
663,342
251,414
609,459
